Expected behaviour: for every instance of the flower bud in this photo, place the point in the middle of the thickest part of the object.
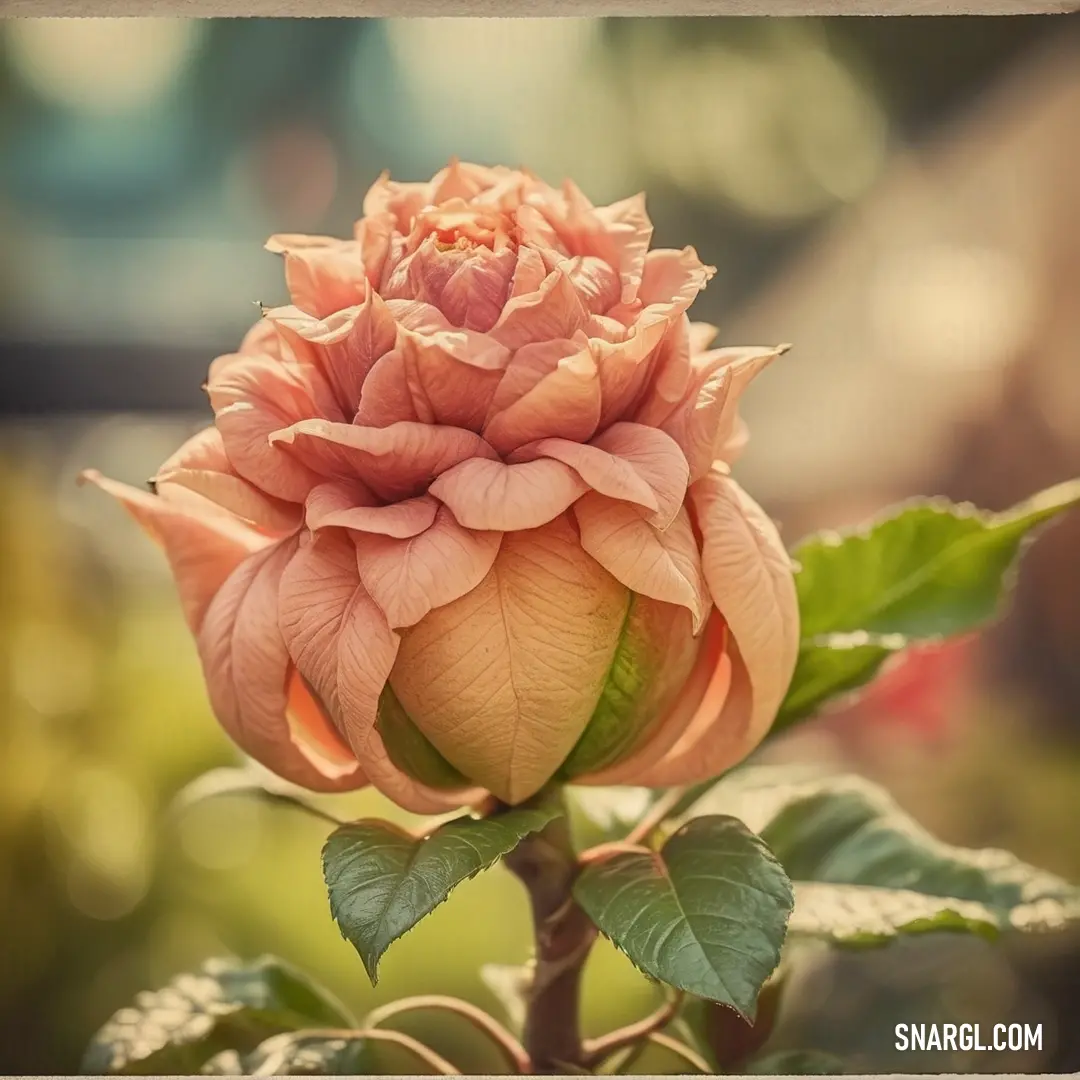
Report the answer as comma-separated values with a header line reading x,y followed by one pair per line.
x,y
464,521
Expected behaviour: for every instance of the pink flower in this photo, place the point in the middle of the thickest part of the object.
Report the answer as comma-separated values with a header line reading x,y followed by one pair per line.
x,y
464,520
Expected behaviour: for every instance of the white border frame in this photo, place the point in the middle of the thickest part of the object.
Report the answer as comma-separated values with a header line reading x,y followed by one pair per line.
x,y
546,8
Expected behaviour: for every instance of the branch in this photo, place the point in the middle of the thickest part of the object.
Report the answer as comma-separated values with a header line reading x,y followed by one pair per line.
x,y
680,1050
511,1049
546,864
655,815
598,1049
424,1053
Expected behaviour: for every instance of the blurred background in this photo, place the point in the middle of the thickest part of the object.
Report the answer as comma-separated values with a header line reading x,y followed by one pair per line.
x,y
898,197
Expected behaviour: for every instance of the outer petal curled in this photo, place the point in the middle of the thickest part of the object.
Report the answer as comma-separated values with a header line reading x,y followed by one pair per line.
x,y
201,471
750,579
250,680
661,564
341,644
203,547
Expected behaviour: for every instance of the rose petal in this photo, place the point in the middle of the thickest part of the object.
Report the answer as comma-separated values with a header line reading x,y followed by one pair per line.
x,y
203,548
662,564
437,376
490,495
463,180
452,375
316,738
554,311
503,680
251,399
349,505
730,450
673,278
657,654
343,347
335,633
387,397
396,462
595,282
341,644
670,376
706,420
702,335
701,698
261,340
249,679
469,283
323,274
529,273
629,462
552,389
408,793
625,366
751,582
201,472
656,458
374,236
403,201
418,316
536,232
628,231
476,292
745,365
407,578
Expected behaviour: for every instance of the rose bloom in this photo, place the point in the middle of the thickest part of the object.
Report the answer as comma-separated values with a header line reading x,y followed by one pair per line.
x,y
464,521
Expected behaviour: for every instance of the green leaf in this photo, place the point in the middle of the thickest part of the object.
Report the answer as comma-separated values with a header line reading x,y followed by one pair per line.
x,y
847,830
830,666
382,881
409,749
297,1053
706,913
795,1063
878,872
929,570
862,915
624,709
226,1005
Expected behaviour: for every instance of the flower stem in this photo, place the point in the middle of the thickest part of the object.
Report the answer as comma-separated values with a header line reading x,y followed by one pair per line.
x,y
546,865
435,1062
596,1050
655,816
511,1049
679,1049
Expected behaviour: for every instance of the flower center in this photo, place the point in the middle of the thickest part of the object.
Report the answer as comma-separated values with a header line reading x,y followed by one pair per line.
x,y
457,225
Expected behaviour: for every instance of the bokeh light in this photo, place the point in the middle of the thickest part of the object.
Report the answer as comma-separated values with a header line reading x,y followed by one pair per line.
x,y
102,66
